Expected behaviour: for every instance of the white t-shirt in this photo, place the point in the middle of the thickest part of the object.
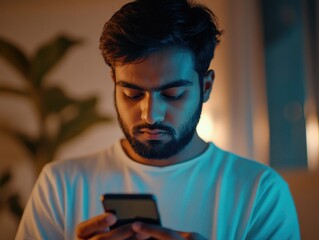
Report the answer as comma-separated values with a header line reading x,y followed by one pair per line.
x,y
217,194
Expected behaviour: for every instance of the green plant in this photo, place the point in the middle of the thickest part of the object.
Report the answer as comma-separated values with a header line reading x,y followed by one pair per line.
x,y
51,105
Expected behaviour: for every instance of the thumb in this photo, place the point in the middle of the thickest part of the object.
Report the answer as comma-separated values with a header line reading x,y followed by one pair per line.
x,y
145,231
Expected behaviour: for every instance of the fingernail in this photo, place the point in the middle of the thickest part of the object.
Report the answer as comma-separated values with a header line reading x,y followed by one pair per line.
x,y
136,226
110,218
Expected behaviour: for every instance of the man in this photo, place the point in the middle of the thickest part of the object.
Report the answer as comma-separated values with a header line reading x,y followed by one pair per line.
x,y
159,52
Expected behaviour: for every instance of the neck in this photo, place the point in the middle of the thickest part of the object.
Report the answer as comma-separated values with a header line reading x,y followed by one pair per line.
x,y
193,149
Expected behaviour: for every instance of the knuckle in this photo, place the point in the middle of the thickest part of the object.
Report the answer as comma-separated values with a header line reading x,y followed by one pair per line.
x,y
99,222
80,230
85,229
100,237
170,235
193,236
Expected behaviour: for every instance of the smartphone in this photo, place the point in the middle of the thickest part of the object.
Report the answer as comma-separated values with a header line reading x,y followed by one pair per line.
x,y
130,208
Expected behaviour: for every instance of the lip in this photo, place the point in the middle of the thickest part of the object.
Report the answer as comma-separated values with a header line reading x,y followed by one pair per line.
x,y
152,131
153,134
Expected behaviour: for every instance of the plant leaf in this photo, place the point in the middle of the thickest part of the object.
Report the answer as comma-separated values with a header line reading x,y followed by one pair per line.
x,y
87,116
15,205
48,56
55,100
14,56
29,143
13,91
26,141
5,178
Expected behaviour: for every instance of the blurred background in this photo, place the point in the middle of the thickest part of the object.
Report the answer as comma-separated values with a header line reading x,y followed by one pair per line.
x,y
56,93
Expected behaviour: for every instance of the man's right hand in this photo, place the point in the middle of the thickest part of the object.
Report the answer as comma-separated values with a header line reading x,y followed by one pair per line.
x,y
97,228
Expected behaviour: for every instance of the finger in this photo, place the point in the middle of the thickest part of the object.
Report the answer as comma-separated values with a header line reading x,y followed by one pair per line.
x,y
140,236
191,236
97,224
120,233
155,231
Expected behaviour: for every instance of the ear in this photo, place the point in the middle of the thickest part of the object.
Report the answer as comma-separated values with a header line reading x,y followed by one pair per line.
x,y
208,84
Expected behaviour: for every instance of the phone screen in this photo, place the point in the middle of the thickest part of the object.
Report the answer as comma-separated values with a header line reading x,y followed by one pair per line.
x,y
129,208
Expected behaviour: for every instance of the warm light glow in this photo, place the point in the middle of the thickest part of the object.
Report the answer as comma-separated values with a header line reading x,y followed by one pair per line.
x,y
312,141
205,127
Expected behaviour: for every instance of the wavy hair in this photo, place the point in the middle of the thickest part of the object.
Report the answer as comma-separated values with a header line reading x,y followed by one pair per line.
x,y
143,27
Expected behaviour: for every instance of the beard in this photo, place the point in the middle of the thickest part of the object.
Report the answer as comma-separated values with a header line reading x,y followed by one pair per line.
x,y
157,149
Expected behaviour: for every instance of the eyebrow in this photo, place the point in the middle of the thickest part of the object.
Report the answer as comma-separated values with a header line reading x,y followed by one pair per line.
x,y
178,83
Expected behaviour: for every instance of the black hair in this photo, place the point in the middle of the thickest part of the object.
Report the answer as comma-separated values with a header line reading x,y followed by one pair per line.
x,y
143,27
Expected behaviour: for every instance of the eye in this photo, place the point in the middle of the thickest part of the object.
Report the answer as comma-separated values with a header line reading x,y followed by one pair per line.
x,y
173,94
132,94
173,97
135,96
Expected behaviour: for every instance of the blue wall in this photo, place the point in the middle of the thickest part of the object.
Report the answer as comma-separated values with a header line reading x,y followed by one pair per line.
x,y
284,37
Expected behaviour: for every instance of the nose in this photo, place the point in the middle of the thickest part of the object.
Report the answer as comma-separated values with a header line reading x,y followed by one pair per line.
x,y
152,110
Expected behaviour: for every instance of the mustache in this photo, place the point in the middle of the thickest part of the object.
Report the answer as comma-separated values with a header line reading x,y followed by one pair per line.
x,y
154,126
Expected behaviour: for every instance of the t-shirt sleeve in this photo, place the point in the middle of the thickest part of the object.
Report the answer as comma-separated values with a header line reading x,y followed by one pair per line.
x,y
43,214
274,215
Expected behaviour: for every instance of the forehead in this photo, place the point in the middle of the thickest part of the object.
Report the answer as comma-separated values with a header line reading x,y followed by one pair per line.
x,y
158,69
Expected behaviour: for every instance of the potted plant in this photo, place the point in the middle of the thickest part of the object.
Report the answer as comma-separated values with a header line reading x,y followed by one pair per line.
x,y
51,104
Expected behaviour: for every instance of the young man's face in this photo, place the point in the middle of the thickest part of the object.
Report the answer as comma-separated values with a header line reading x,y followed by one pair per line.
x,y
158,102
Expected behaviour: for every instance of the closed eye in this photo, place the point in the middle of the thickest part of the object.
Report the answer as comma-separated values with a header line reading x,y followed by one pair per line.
x,y
173,93
133,94
172,97
136,96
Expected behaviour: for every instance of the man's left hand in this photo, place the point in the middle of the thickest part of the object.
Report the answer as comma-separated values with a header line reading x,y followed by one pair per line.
x,y
145,231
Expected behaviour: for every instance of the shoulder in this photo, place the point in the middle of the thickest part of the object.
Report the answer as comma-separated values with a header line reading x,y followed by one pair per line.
x,y
244,169
256,179
81,166
272,211
73,165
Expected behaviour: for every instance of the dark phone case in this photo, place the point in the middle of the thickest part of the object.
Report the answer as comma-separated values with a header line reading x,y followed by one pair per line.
x,y
122,222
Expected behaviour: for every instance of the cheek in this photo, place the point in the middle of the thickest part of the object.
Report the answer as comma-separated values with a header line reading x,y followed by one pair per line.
x,y
128,112
182,111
